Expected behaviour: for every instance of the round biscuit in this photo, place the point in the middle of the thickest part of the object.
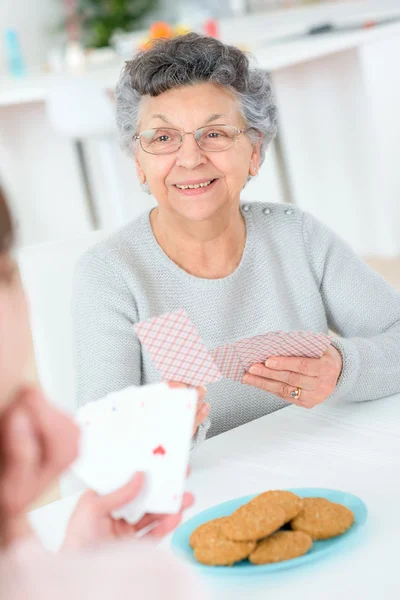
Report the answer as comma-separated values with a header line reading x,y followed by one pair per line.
x,y
283,545
289,502
323,519
252,522
223,552
206,532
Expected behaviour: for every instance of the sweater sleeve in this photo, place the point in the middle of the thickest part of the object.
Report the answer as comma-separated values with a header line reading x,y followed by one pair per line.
x,y
107,351
362,309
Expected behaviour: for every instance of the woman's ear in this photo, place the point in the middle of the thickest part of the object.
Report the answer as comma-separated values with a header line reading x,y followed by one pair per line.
x,y
139,171
255,160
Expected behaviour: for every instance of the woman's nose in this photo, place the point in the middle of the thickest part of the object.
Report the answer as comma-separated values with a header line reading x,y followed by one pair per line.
x,y
190,155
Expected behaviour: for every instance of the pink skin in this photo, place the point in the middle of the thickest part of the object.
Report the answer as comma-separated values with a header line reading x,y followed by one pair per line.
x,y
187,109
315,377
91,523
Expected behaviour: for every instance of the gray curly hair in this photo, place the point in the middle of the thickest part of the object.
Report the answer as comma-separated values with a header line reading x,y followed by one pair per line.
x,y
187,60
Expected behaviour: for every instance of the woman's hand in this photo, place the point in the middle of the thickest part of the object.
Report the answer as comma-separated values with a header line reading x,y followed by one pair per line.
x,y
92,523
203,408
316,378
37,443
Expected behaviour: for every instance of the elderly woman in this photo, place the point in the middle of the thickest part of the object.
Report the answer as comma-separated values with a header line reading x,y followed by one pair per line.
x,y
197,117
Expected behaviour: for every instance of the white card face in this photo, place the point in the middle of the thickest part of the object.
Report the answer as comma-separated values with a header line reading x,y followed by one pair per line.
x,y
167,450
146,428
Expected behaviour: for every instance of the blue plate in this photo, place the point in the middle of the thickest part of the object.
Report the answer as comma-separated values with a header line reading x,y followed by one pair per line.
x,y
180,540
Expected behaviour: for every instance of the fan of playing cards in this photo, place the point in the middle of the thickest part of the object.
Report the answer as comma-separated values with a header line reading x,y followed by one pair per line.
x,y
175,347
147,429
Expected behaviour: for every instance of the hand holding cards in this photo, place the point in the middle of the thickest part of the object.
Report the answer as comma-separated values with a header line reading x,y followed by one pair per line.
x,y
147,429
179,354
235,359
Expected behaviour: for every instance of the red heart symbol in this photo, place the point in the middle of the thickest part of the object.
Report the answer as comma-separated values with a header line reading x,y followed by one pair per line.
x,y
159,450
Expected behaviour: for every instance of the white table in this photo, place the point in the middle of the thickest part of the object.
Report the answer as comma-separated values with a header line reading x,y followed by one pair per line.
x,y
350,447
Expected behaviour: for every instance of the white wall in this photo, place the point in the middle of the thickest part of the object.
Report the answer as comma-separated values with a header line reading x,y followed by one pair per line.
x,y
340,135
41,177
35,21
381,75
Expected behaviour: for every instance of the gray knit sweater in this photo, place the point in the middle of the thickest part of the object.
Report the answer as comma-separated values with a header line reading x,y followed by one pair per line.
x,y
294,274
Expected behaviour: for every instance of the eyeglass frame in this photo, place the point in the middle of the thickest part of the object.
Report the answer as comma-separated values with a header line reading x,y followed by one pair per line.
x,y
183,133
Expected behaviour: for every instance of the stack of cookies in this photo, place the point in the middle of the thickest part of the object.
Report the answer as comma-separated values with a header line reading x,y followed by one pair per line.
x,y
254,531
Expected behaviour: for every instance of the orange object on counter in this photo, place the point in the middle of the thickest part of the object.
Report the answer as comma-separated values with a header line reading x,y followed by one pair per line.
x,y
160,29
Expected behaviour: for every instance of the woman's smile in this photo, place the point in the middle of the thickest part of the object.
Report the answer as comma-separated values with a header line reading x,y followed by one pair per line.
x,y
195,187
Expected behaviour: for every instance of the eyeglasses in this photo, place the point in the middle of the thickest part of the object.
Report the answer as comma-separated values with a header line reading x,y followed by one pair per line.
x,y
212,138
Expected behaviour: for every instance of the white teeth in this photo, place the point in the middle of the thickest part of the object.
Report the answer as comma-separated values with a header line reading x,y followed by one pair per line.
x,y
193,187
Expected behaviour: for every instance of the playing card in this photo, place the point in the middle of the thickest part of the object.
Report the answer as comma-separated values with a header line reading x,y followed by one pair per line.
x,y
235,359
147,429
282,343
176,349
227,359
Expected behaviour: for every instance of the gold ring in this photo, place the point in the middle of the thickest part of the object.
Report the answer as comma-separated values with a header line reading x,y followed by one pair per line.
x,y
296,393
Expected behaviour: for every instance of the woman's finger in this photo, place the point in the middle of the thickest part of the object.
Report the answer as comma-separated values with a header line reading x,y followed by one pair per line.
x,y
177,384
159,525
166,525
297,364
170,522
291,378
307,398
123,529
187,502
201,415
277,388
201,391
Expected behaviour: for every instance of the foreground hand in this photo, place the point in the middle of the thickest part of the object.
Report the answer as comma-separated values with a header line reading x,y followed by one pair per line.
x,y
203,408
37,443
92,523
315,377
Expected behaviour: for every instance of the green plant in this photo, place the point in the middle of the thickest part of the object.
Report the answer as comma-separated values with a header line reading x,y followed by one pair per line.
x,y
99,19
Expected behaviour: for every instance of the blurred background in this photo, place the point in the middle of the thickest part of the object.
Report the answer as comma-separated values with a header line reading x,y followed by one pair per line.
x,y
334,67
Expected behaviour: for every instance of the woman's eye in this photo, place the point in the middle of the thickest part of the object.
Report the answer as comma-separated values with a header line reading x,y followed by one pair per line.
x,y
216,134
162,138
